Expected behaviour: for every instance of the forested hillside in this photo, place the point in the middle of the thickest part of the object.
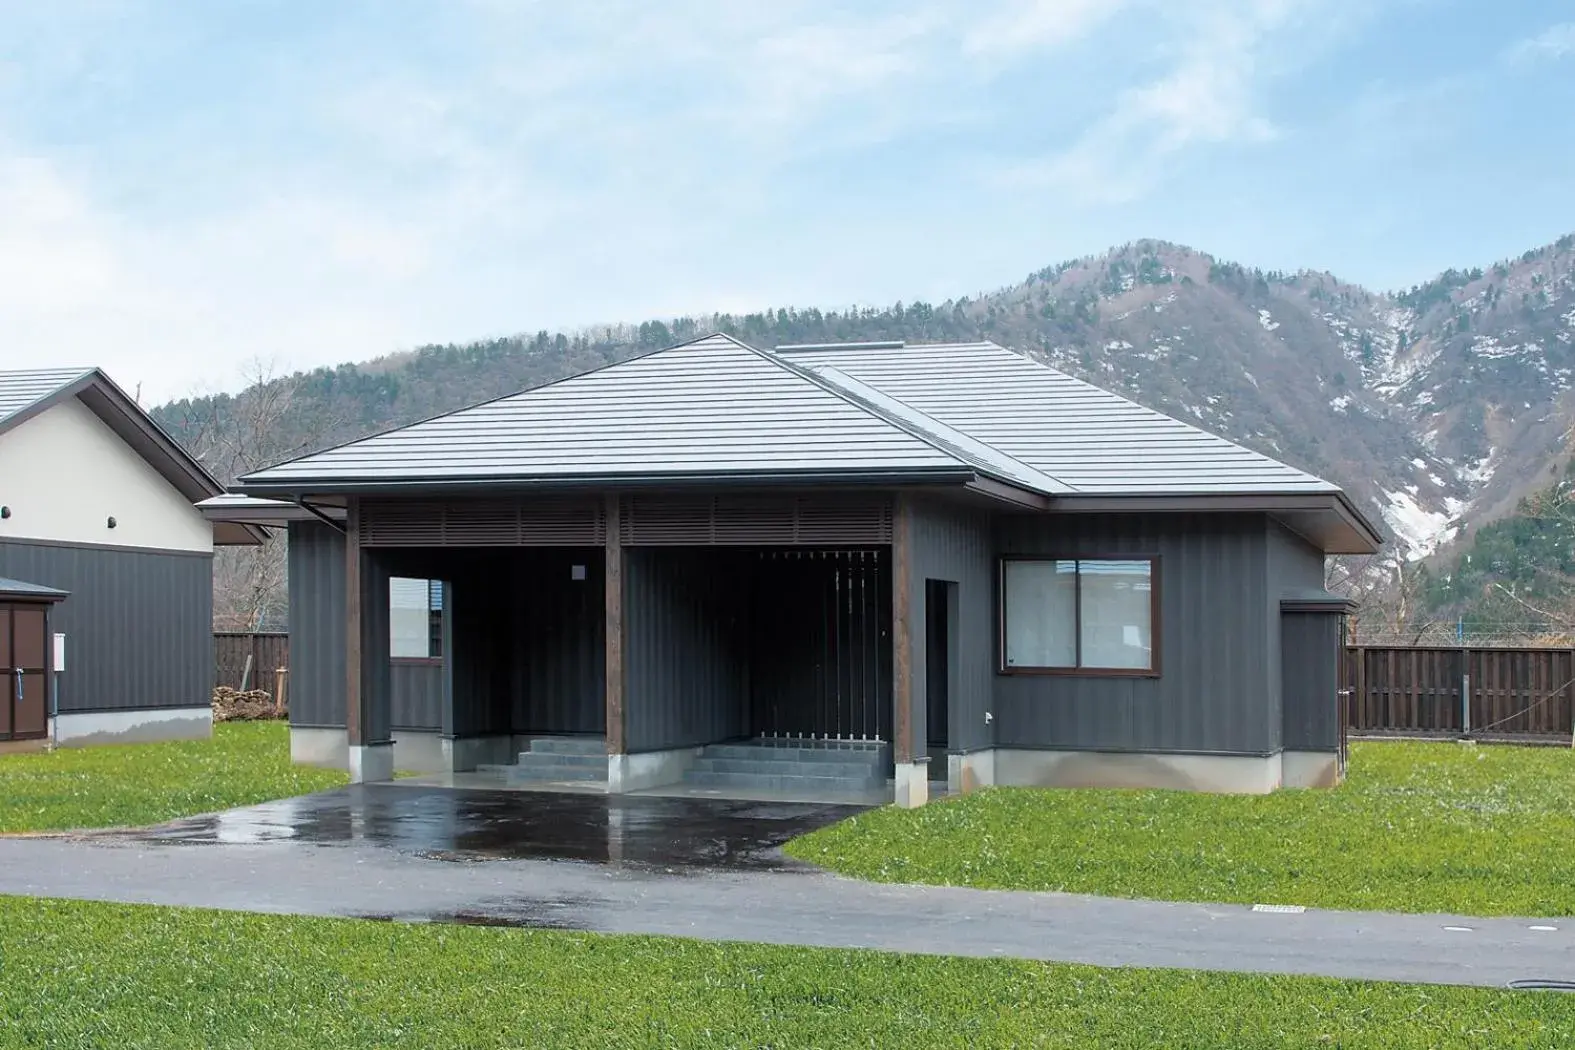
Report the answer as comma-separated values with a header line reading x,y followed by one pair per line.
x,y
1440,408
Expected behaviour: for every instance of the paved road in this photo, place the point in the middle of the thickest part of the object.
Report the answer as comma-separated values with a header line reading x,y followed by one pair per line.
x,y
362,878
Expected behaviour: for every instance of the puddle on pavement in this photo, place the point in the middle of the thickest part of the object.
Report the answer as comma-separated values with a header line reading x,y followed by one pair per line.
x,y
561,914
456,825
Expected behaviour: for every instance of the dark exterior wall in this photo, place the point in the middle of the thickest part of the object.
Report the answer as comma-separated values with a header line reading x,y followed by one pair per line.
x,y
138,624
1214,691
686,652
954,544
555,647
524,639
418,695
1310,667
316,581
316,567
1294,566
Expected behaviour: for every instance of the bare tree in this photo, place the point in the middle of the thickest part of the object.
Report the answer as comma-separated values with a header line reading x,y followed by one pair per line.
x,y
231,436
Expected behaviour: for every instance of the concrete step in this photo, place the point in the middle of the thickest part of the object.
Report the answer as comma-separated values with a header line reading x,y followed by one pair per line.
x,y
553,758
536,765
863,770
766,782
568,745
774,753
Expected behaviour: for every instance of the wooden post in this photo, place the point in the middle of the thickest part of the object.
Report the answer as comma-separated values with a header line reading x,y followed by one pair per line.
x,y
353,621
1361,684
901,635
281,684
614,628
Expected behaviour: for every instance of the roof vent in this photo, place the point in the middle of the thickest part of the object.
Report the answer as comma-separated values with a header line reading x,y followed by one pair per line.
x,y
878,344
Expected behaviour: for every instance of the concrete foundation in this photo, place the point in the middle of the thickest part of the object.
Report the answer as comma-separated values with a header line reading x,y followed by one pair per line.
x,y
419,751
329,748
86,728
911,783
1309,769
371,763
649,769
1226,774
970,772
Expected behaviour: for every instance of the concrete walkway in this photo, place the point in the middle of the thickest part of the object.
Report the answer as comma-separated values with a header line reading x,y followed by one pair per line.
x,y
788,907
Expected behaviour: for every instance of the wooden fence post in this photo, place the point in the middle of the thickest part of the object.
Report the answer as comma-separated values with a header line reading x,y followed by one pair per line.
x,y
1361,685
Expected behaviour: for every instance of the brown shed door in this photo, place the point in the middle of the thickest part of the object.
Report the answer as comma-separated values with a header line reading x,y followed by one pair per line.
x,y
24,654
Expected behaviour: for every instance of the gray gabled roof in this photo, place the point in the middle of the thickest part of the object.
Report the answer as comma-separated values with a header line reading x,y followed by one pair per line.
x,y
710,408
24,388
1089,440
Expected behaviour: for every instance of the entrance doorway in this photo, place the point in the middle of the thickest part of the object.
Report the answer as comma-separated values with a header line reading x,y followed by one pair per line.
x,y
940,662
24,663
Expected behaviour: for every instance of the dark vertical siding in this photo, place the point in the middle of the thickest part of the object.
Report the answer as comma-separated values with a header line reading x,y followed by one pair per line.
x,y
1294,566
316,566
1310,669
138,624
418,695
686,647
316,562
1213,693
479,599
554,641
377,672
953,544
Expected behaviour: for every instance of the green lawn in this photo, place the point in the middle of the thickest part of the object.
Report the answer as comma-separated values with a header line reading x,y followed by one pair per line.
x,y
126,976
1421,827
95,787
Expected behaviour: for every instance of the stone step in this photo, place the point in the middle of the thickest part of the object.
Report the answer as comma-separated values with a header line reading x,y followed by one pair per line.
x,y
775,753
539,774
554,758
767,782
537,766
862,770
568,745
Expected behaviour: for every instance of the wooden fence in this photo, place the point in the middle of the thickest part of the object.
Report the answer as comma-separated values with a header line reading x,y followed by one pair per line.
x,y
268,651
1417,690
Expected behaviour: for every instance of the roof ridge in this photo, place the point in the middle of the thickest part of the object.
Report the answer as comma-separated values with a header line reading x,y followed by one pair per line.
x,y
869,408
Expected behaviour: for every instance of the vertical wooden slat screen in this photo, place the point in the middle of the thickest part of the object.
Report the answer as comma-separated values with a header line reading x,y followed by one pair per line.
x,y
1416,690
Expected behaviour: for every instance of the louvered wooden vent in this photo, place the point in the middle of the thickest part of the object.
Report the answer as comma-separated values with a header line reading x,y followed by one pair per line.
x,y
484,523
655,521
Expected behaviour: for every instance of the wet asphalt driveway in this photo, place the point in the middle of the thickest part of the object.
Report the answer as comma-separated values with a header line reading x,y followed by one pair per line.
x,y
671,834
713,869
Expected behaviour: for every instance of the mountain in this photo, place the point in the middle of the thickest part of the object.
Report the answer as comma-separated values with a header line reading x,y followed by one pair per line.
x,y
1439,408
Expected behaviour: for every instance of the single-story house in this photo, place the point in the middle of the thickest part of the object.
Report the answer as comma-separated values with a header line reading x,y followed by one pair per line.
x,y
106,629
908,562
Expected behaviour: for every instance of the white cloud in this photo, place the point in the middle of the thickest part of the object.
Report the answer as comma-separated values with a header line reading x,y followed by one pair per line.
x,y
1216,64
1550,45
1028,25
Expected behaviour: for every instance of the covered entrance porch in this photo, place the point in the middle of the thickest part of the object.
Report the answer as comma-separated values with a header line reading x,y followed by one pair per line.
x,y
715,645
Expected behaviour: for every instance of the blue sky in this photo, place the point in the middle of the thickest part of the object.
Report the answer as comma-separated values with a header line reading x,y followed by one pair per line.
x,y
189,187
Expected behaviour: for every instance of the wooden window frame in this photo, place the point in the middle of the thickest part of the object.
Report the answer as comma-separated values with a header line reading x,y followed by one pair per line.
x,y
1155,649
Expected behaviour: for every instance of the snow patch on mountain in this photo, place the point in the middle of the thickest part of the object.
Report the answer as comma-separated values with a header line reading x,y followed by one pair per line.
x,y
1419,531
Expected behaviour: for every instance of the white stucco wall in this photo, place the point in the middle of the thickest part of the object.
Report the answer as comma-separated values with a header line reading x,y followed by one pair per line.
x,y
64,473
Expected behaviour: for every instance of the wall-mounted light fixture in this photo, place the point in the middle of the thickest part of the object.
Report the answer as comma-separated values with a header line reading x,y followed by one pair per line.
x,y
112,522
5,512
